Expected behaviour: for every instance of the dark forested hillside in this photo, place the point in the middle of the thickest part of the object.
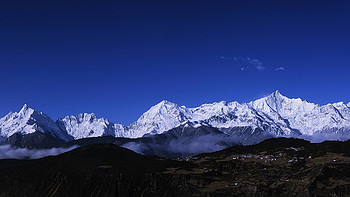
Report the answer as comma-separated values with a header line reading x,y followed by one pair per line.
x,y
275,167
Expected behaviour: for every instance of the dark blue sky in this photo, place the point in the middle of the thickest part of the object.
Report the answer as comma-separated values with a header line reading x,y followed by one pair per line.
x,y
118,58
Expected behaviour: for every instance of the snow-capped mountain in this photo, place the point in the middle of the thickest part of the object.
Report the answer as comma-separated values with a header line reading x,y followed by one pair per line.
x,y
161,117
86,125
276,115
28,121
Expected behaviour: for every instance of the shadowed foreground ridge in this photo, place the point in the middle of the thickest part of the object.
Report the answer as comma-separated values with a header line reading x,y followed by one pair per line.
x,y
275,167
93,170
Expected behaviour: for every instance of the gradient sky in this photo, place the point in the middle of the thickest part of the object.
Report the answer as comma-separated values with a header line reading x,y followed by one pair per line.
x,y
118,58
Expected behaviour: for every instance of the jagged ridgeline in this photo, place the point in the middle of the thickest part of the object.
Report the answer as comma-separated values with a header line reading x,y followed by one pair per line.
x,y
220,124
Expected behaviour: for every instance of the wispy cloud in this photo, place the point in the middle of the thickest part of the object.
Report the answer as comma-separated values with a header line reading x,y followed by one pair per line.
x,y
247,63
260,68
280,68
8,152
225,58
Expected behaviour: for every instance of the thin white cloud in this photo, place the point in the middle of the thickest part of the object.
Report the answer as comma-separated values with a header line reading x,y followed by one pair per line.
x,y
225,58
247,63
260,68
280,68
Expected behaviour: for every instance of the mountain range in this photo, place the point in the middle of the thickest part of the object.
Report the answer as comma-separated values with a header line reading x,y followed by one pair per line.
x,y
272,116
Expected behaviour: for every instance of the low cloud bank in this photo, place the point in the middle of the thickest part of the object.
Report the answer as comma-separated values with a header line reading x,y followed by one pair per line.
x,y
321,137
184,146
9,152
203,144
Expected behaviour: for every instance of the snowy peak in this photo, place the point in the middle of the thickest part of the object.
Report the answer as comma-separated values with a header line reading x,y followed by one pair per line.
x,y
167,108
25,108
206,112
18,122
27,121
164,107
277,103
159,118
165,102
25,111
272,102
86,125
276,96
85,117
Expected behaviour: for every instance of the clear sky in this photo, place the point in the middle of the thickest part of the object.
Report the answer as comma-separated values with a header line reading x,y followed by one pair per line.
x,y
118,58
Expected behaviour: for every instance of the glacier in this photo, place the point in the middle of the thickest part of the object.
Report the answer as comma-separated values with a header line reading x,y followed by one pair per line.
x,y
275,114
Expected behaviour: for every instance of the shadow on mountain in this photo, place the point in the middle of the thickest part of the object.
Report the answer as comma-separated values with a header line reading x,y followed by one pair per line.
x,y
180,142
36,140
